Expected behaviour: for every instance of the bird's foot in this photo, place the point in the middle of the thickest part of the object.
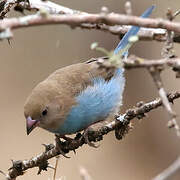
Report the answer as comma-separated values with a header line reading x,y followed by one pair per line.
x,y
59,146
69,140
86,137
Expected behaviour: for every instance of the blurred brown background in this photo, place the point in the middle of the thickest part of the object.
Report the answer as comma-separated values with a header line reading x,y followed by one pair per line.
x,y
36,52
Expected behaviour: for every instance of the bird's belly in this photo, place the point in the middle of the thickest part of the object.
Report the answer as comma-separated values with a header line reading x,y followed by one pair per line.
x,y
71,126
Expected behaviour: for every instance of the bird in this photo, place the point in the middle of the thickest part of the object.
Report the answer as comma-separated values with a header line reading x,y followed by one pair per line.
x,y
73,98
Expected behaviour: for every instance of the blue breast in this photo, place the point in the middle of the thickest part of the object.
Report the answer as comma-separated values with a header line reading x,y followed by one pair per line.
x,y
94,103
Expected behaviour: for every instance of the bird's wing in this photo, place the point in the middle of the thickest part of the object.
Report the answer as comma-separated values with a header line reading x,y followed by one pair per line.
x,y
75,78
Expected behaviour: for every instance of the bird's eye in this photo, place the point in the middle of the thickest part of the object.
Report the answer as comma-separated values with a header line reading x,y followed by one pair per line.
x,y
44,112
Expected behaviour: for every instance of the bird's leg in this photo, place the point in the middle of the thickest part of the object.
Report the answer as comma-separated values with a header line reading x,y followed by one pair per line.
x,y
86,137
68,139
59,145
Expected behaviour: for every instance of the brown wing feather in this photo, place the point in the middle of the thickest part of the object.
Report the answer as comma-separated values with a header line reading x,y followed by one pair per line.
x,y
75,78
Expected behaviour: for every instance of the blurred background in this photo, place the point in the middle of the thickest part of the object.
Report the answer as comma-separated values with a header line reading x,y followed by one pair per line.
x,y
36,52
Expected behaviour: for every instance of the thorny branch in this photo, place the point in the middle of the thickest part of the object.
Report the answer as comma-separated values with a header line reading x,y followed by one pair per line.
x,y
172,169
120,125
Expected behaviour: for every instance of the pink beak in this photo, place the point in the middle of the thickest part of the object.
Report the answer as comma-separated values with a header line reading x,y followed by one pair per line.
x,y
30,124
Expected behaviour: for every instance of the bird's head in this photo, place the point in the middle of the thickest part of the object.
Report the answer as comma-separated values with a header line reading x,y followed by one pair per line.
x,y
42,109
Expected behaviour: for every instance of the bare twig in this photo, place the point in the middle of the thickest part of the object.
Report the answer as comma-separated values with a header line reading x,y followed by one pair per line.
x,y
128,8
55,168
53,8
137,62
155,73
84,174
80,20
171,170
1,172
147,34
168,49
5,7
176,13
167,52
41,160
49,6
30,5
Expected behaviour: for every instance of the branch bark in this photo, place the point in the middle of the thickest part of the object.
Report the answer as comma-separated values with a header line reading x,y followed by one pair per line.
x,y
171,170
137,62
85,20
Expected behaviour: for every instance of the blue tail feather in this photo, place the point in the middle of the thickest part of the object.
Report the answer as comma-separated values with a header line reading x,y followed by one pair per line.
x,y
132,32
